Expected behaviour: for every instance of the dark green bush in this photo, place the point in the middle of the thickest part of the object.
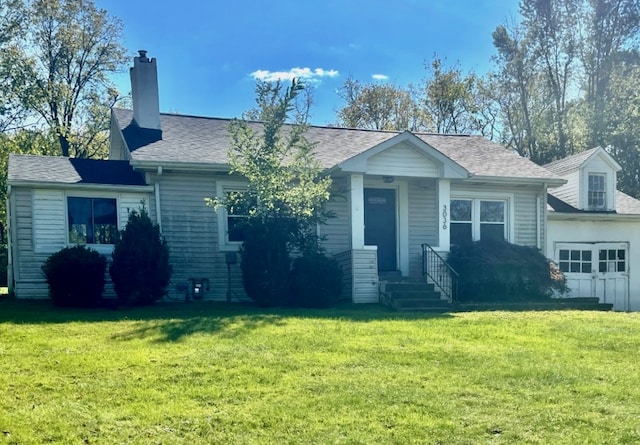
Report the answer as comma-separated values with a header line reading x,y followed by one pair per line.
x,y
316,281
3,264
495,270
265,261
75,276
140,270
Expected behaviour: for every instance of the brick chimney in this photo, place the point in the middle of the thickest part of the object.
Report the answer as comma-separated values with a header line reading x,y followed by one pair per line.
x,y
144,91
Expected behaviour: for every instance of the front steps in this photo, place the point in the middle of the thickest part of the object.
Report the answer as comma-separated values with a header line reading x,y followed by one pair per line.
x,y
415,295
411,294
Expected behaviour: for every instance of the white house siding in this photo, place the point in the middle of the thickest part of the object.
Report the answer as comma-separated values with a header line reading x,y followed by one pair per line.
x,y
402,160
365,275
526,212
523,214
190,228
337,230
423,221
569,191
585,231
39,219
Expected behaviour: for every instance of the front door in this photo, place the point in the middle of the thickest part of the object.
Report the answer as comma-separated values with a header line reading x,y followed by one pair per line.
x,y
380,225
596,270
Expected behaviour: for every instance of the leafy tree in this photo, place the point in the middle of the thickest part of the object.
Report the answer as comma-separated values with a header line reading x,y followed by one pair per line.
x,y
64,56
12,76
286,190
450,99
612,28
379,107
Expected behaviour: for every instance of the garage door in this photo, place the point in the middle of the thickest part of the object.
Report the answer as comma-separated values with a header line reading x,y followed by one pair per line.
x,y
596,270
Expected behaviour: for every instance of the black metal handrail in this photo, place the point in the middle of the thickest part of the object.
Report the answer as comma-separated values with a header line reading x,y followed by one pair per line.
x,y
439,272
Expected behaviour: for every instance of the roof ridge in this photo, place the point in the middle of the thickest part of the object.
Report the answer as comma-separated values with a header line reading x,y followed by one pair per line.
x,y
324,127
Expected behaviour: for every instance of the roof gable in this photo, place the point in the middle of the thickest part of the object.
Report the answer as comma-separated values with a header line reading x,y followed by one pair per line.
x,y
573,163
423,158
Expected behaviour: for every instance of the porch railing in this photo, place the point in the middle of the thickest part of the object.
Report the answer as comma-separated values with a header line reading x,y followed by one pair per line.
x,y
437,271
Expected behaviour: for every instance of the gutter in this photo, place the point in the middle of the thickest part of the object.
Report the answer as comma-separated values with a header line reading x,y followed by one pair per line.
x,y
580,216
180,166
81,186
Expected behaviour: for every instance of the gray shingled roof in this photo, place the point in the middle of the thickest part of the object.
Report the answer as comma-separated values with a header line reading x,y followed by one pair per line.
x,y
625,205
570,163
191,139
54,169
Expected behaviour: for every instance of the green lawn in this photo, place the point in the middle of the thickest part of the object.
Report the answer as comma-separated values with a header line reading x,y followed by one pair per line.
x,y
219,374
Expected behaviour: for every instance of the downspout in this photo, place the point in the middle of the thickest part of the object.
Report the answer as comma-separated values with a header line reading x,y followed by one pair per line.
x,y
538,225
9,244
156,191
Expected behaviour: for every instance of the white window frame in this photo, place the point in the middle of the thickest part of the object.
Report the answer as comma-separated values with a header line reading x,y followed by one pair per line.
x,y
101,248
476,198
223,187
604,191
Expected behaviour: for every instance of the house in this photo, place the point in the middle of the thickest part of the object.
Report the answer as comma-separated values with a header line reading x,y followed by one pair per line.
x,y
594,230
405,195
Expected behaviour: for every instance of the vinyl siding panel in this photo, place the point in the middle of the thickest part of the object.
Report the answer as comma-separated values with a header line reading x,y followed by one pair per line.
x,y
524,208
191,230
365,275
337,230
569,192
402,160
39,226
525,217
423,221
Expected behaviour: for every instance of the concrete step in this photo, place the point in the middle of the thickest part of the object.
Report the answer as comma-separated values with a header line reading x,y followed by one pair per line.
x,y
409,287
415,295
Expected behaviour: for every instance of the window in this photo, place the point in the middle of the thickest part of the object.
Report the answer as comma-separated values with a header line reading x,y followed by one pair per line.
x,y
475,219
234,219
230,233
575,261
597,194
612,260
92,220
461,222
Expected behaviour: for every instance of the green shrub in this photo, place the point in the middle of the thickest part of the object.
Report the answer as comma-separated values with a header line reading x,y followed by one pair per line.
x,y
76,277
140,269
4,258
498,271
265,261
316,281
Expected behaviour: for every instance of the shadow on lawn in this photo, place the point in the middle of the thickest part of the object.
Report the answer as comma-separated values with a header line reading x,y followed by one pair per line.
x,y
169,322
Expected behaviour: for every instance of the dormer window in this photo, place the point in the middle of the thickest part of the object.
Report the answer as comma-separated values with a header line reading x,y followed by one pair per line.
x,y
597,192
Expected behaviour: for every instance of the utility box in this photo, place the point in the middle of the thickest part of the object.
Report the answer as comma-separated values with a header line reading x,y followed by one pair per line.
x,y
198,287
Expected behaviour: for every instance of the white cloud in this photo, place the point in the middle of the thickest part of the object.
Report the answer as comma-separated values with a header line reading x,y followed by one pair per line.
x,y
299,73
380,77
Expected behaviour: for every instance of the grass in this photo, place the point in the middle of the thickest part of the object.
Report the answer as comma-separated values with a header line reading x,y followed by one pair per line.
x,y
214,373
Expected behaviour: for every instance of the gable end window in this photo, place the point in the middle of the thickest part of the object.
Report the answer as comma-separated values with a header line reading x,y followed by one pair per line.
x,y
597,192
92,220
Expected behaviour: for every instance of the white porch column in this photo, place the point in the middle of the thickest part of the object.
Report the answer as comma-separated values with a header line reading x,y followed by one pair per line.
x,y
357,211
444,214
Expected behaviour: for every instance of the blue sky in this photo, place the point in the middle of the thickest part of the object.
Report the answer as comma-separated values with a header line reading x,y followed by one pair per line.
x,y
209,53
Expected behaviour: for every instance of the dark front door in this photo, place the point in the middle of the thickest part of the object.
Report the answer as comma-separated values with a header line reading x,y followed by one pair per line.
x,y
380,225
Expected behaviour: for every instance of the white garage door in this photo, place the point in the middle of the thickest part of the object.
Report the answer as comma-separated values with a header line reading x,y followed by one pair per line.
x,y
596,270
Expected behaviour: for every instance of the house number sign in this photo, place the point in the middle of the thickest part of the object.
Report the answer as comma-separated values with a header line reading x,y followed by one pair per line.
x,y
444,217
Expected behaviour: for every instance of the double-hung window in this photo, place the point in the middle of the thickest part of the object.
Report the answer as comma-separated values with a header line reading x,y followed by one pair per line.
x,y
473,219
232,217
597,191
92,220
